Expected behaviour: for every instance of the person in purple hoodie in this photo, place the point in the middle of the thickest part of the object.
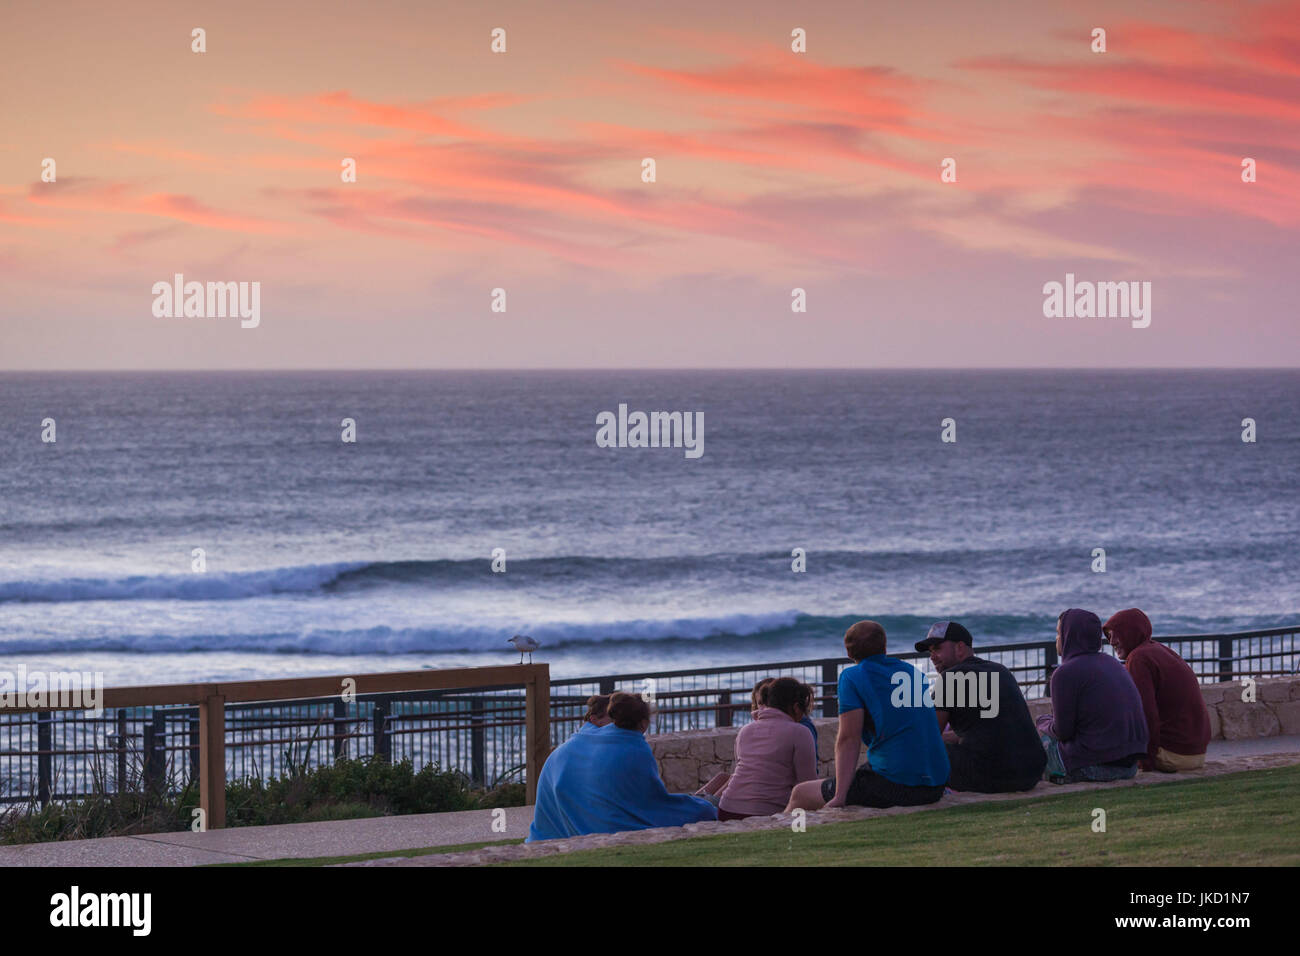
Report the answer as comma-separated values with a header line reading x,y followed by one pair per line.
x,y
1097,729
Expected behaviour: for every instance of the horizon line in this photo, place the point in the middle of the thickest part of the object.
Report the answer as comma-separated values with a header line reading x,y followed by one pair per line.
x,y
666,368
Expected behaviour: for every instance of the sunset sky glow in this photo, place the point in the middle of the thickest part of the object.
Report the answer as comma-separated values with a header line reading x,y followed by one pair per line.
x,y
775,170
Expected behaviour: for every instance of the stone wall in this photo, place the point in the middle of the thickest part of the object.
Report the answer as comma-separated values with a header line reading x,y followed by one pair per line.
x,y
687,760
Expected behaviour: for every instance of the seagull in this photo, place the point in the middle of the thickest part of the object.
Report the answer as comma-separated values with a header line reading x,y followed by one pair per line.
x,y
524,645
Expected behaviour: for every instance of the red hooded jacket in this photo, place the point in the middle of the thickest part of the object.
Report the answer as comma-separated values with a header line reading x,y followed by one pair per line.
x,y
1177,718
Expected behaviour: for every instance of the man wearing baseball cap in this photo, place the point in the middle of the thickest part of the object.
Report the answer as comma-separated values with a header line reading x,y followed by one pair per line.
x,y
992,744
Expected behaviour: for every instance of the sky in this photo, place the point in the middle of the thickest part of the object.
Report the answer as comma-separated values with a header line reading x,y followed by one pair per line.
x,y
775,170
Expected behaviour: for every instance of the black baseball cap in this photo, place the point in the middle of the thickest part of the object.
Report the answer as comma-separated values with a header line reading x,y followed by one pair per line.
x,y
944,631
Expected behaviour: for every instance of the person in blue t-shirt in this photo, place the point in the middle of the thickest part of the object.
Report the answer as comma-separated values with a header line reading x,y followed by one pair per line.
x,y
808,695
882,705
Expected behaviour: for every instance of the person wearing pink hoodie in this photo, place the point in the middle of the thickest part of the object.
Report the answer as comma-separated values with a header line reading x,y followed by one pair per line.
x,y
773,753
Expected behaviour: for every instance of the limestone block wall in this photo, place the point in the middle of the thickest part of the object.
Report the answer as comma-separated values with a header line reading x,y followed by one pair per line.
x,y
687,760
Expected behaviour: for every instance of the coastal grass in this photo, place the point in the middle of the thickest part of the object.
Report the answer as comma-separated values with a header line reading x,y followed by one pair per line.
x,y
344,790
377,855
1247,818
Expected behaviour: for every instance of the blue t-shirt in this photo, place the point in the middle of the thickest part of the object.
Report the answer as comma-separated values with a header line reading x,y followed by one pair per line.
x,y
902,735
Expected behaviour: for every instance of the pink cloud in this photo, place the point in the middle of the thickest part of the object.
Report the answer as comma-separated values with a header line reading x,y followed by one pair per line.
x,y
82,195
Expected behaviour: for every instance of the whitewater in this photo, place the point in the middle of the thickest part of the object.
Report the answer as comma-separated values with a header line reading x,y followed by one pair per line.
x,y
324,557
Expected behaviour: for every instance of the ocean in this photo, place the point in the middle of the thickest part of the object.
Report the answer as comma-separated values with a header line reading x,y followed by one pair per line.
x,y
331,557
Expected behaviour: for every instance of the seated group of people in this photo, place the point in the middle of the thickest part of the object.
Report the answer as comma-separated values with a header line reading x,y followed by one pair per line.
x,y
1108,719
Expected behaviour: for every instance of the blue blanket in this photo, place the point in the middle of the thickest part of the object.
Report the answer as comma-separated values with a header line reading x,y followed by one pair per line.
x,y
605,780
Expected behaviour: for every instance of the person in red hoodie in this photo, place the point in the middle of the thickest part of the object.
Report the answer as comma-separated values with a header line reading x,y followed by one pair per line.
x,y
1178,723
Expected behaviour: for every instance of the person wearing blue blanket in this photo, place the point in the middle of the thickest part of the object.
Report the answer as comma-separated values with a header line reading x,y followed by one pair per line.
x,y
605,780
597,715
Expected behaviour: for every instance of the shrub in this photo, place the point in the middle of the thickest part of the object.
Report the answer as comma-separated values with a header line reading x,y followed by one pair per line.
x,y
346,789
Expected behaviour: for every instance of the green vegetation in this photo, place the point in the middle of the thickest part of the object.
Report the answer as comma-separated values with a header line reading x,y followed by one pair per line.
x,y
100,815
1250,818
344,790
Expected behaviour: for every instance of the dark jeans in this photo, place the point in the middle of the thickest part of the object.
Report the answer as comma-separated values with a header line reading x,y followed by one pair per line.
x,y
870,789
971,774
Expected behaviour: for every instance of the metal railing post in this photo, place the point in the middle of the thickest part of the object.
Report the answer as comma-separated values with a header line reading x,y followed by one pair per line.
x,y
722,716
383,741
155,736
831,685
1050,662
340,729
196,746
122,784
477,743
44,764
1225,659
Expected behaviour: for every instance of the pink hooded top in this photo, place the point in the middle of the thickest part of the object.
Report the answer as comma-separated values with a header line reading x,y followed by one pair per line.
x,y
773,753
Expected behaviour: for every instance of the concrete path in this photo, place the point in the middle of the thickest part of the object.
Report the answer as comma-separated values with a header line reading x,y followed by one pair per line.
x,y
286,841
389,834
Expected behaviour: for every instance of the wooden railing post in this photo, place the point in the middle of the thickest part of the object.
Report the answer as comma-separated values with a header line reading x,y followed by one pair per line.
x,y
212,760
538,722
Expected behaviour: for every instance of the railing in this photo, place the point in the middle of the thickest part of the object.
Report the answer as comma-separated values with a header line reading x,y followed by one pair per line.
x,y
482,729
227,729
719,696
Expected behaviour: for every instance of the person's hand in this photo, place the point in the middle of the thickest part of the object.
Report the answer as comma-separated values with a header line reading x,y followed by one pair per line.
x,y
835,801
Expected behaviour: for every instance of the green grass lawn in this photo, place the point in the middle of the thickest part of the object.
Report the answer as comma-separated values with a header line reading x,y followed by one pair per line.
x,y
1237,819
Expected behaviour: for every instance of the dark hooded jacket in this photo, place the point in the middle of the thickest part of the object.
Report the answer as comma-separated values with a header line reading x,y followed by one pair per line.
x,y
1096,710
1176,715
